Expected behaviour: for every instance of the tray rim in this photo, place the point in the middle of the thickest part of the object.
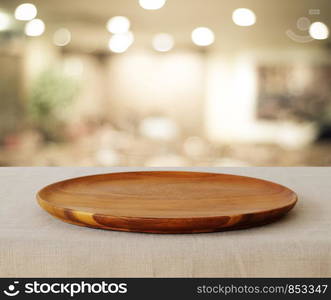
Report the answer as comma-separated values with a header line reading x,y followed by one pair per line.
x,y
166,171
279,211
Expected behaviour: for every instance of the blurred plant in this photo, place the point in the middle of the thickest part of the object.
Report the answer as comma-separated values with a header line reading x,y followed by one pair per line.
x,y
50,95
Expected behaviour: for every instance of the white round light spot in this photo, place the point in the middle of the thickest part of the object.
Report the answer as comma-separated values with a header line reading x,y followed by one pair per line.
x,y
203,36
11,287
318,31
163,42
152,4
35,27
243,17
120,42
4,21
26,12
118,24
62,37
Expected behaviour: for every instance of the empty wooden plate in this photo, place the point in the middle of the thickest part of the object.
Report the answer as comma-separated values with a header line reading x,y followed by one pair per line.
x,y
166,201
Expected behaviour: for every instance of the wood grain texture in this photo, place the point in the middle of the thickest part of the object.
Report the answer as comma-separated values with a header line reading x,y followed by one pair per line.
x,y
166,201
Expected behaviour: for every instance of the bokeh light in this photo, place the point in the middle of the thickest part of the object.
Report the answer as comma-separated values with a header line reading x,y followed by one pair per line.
x,y
152,4
120,42
35,27
62,37
203,36
26,12
194,146
163,42
4,21
118,24
243,17
159,128
319,31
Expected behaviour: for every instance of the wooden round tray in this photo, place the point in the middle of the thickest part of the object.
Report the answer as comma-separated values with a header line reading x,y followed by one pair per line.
x,y
166,201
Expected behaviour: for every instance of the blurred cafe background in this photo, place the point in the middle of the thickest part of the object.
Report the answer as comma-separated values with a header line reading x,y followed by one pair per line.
x,y
165,83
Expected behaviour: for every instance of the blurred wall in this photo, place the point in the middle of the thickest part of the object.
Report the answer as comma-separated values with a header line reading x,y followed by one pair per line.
x,y
154,84
10,93
231,96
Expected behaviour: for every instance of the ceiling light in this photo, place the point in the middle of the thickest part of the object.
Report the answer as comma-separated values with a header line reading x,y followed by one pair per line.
x,y
318,31
4,21
118,24
163,42
26,12
35,27
62,37
152,4
203,36
120,42
243,17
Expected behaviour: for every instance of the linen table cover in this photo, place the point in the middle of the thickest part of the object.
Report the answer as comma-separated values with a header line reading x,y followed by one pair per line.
x,y
34,244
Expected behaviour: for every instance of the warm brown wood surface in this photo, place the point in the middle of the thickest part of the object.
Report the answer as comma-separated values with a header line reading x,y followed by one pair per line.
x,y
166,201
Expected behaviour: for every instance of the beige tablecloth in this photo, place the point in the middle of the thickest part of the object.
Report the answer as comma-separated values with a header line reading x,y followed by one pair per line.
x,y
34,244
